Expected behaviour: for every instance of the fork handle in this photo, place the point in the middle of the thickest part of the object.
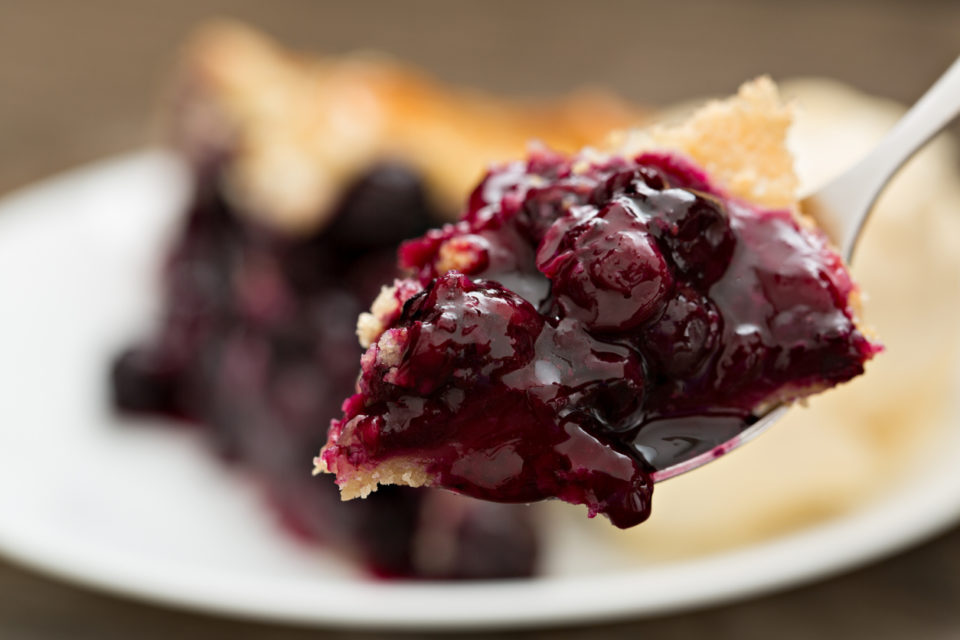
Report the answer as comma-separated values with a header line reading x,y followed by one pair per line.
x,y
846,201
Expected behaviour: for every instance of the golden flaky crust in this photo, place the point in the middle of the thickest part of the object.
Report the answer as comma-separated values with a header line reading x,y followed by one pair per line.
x,y
359,483
371,325
295,131
742,144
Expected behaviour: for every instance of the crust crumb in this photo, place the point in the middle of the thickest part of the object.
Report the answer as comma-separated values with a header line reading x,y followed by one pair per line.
x,y
360,482
371,325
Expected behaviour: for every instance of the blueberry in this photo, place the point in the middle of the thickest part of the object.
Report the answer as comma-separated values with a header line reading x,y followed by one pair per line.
x,y
684,337
542,207
692,225
461,329
616,404
143,383
632,182
604,381
387,205
606,270
696,230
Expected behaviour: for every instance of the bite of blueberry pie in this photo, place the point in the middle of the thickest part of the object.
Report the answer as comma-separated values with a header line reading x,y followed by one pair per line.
x,y
589,307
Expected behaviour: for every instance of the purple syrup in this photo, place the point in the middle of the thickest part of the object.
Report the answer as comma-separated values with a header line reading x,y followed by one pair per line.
x,y
604,322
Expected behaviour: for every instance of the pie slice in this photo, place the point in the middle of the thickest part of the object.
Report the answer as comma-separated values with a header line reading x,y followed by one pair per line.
x,y
591,311
308,173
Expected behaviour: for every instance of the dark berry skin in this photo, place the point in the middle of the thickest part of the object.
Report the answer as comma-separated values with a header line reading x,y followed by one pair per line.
x,y
687,333
695,229
387,205
690,224
607,271
625,313
143,383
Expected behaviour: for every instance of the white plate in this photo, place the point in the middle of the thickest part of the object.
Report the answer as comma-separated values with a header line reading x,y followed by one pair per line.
x,y
146,512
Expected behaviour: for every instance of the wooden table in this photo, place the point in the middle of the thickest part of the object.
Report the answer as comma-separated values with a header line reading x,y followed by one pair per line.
x,y
78,81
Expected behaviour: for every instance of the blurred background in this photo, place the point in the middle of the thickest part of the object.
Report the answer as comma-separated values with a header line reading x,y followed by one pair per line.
x,y
80,80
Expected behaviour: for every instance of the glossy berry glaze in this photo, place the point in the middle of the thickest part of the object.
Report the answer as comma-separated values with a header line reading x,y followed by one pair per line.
x,y
588,322
257,348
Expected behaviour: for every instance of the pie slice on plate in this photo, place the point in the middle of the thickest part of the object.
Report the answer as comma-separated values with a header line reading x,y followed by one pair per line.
x,y
308,172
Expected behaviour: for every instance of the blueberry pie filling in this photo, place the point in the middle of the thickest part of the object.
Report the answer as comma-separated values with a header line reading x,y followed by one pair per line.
x,y
589,319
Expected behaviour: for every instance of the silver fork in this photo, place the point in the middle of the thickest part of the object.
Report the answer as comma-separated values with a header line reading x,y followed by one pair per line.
x,y
842,207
